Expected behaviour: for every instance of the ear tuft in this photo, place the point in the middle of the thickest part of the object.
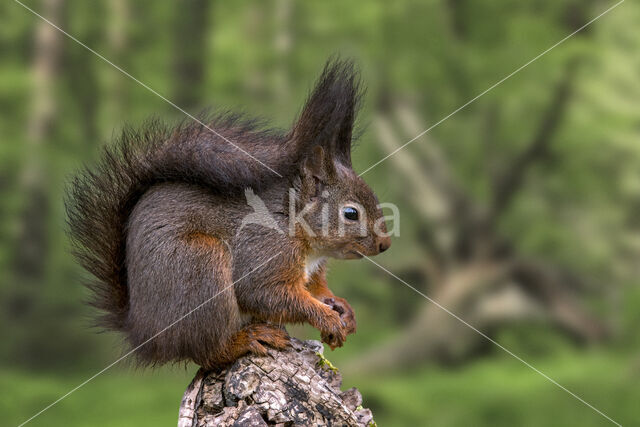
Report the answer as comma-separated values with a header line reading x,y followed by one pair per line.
x,y
328,116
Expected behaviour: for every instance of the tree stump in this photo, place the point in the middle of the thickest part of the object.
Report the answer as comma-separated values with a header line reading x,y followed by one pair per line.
x,y
292,387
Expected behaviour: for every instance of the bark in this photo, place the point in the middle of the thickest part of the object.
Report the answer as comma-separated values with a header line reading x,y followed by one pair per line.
x,y
293,387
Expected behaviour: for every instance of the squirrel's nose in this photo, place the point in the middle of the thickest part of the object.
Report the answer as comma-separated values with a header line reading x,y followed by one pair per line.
x,y
384,244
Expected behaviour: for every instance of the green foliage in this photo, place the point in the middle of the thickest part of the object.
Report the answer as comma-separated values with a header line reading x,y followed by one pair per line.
x,y
503,392
119,399
578,209
492,392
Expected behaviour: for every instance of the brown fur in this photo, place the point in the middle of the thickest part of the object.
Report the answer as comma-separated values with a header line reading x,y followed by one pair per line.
x,y
319,288
157,223
203,240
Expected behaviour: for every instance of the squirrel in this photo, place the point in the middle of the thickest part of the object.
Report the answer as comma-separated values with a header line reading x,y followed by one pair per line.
x,y
158,224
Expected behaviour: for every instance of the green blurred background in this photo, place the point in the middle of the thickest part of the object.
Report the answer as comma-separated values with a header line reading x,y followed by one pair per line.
x,y
520,213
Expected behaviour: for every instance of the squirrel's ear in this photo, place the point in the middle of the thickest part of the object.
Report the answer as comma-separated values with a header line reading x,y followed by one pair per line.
x,y
316,169
328,116
317,165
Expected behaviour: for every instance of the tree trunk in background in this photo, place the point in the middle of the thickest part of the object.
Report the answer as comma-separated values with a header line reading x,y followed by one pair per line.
x,y
117,38
472,269
190,50
254,29
31,244
283,43
81,76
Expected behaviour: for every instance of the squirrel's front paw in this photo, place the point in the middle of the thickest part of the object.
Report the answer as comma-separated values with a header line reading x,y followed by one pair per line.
x,y
342,307
333,329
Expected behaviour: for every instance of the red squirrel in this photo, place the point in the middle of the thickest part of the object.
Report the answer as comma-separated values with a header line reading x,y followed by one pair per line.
x,y
158,223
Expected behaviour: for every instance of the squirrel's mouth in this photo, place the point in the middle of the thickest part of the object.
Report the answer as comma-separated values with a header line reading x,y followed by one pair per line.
x,y
352,255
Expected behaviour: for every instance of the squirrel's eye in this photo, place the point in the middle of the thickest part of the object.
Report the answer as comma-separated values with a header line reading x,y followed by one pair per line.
x,y
350,213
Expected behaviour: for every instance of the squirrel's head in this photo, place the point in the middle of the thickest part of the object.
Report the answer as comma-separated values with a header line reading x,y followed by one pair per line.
x,y
337,211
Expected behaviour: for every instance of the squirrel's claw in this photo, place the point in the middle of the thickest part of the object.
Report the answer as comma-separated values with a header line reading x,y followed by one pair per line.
x,y
332,341
347,315
333,331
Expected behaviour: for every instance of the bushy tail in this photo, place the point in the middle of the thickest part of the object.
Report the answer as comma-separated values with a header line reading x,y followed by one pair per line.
x,y
99,200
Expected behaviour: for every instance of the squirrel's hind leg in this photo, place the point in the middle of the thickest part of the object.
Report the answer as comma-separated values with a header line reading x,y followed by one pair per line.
x,y
182,301
251,339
